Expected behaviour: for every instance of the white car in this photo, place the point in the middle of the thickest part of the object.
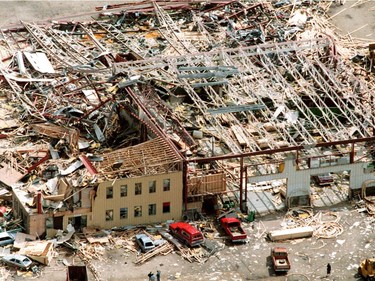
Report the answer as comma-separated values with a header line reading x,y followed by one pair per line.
x,y
16,260
144,242
6,238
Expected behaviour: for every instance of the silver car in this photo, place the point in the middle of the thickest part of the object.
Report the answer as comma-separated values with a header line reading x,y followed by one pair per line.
x,y
6,238
16,260
144,242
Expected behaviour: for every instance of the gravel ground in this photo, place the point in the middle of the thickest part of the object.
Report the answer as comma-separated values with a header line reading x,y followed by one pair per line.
x,y
250,261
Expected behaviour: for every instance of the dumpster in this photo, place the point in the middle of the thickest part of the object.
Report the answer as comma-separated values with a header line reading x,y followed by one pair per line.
x,y
76,273
251,216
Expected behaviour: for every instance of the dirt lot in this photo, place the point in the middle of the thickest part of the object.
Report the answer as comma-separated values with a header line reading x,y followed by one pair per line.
x,y
250,261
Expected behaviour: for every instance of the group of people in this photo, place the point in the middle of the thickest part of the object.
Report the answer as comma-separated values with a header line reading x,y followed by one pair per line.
x,y
151,276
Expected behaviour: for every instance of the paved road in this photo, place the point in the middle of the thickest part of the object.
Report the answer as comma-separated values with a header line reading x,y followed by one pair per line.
x,y
355,19
11,12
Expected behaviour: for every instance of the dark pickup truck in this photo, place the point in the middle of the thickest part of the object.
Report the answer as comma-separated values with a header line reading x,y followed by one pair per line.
x,y
232,227
280,259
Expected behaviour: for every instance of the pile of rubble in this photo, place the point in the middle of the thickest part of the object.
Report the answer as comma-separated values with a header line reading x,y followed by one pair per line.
x,y
81,87
163,81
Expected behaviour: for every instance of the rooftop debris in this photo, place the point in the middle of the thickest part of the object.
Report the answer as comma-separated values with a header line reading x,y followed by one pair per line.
x,y
160,81
115,74
301,222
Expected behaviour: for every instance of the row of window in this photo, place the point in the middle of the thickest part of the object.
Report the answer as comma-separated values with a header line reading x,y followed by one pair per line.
x,y
124,212
138,188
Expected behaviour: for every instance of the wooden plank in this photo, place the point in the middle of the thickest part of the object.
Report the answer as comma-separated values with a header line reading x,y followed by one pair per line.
x,y
238,132
293,233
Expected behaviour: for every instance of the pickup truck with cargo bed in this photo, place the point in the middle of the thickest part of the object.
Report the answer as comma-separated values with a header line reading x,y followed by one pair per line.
x,y
233,228
280,259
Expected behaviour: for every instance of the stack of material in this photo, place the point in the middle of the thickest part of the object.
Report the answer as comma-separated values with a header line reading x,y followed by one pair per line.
x,y
162,249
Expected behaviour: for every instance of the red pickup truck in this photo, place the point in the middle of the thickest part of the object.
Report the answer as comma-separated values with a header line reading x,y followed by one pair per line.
x,y
187,233
232,227
280,259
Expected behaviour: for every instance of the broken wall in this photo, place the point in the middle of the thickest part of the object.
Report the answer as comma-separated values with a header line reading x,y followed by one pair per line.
x,y
33,223
203,184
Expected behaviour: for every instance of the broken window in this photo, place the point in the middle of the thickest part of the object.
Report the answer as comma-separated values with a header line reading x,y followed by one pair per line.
x,y
109,192
152,209
166,207
123,213
137,211
166,184
152,186
123,190
109,215
138,188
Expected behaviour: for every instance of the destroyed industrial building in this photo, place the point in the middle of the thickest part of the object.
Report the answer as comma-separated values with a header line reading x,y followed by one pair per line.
x,y
155,111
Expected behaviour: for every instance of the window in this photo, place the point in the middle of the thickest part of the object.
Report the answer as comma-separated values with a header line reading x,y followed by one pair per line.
x,y
166,185
152,209
109,192
152,186
123,190
138,188
166,207
123,213
137,211
109,215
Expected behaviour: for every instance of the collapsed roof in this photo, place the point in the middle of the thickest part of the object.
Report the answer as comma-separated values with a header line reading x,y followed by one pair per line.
x,y
186,79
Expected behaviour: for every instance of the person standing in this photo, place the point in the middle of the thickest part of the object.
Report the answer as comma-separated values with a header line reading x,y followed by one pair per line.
x,y
328,269
158,273
150,275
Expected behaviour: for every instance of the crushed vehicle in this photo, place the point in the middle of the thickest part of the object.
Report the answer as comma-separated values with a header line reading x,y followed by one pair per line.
x,y
6,238
144,242
186,233
233,228
367,269
324,179
19,261
280,259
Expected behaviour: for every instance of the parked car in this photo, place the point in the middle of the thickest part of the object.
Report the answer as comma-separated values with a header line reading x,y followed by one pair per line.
x,y
16,260
144,242
324,179
6,238
233,228
186,233
280,259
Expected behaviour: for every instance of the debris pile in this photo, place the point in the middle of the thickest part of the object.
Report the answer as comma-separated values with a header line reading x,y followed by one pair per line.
x,y
324,224
147,85
191,67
